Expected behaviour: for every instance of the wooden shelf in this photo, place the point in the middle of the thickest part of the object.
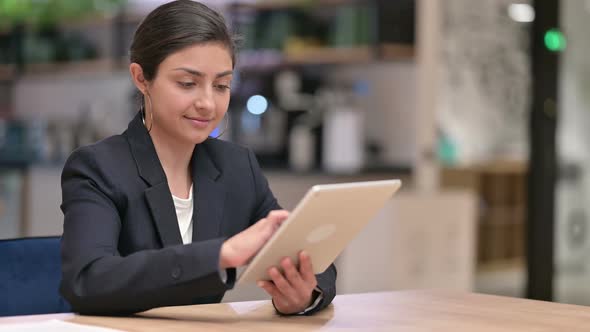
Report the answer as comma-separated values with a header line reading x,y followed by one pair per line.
x,y
92,21
501,166
391,52
327,56
7,72
502,264
70,67
337,55
101,21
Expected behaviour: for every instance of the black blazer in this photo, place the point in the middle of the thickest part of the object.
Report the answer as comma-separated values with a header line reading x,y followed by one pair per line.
x,y
121,249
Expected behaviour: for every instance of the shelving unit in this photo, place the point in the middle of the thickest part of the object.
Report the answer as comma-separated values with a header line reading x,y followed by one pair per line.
x,y
370,48
114,30
501,189
308,56
327,43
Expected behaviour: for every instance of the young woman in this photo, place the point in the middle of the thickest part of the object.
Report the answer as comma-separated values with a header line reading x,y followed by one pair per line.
x,y
162,214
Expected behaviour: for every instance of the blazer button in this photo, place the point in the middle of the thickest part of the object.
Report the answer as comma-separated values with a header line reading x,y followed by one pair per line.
x,y
176,272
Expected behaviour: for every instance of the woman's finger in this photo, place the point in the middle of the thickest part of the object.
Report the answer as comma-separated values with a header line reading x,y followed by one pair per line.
x,y
283,285
272,290
306,269
293,277
278,216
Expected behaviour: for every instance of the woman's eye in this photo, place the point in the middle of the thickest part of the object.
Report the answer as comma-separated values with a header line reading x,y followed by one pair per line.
x,y
222,87
186,84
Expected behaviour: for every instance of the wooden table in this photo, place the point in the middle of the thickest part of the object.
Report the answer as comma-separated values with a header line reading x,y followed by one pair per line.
x,y
428,310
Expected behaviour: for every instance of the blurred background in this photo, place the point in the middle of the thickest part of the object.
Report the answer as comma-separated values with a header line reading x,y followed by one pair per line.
x,y
480,107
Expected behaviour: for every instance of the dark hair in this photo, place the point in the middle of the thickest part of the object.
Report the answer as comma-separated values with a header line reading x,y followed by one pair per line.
x,y
174,26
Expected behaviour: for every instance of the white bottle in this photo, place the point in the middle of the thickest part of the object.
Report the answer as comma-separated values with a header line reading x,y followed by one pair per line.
x,y
343,140
301,148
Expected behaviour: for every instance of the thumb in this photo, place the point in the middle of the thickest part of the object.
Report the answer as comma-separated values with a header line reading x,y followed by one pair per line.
x,y
278,216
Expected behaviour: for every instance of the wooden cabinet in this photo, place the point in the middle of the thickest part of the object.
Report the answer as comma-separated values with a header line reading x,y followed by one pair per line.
x,y
501,190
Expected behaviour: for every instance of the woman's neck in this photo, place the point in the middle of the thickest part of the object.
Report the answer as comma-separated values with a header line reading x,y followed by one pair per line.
x,y
175,158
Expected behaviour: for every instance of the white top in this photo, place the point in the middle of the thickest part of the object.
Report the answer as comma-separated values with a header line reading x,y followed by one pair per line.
x,y
184,214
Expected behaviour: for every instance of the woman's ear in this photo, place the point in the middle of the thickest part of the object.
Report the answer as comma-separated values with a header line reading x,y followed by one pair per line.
x,y
138,78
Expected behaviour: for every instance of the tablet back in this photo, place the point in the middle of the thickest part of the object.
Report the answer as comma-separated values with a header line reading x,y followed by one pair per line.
x,y
323,223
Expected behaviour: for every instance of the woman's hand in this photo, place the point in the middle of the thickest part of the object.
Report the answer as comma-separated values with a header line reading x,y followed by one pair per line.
x,y
240,248
291,290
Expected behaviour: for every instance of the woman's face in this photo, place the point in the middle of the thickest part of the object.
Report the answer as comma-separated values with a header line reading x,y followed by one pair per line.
x,y
190,93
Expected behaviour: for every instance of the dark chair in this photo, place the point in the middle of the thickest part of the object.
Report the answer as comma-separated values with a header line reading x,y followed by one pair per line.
x,y
30,271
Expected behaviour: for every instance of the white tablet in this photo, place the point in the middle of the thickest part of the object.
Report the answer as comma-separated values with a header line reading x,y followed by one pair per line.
x,y
323,223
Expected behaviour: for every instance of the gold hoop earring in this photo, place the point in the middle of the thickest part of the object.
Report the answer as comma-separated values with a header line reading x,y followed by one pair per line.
x,y
226,116
151,113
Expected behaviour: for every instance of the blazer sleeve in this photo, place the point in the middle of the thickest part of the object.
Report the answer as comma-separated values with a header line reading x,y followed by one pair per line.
x,y
266,203
96,279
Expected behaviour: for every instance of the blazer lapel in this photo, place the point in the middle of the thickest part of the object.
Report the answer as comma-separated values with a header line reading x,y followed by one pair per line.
x,y
209,193
161,205
158,195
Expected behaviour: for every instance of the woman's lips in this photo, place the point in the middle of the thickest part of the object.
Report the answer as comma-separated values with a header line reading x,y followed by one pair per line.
x,y
198,122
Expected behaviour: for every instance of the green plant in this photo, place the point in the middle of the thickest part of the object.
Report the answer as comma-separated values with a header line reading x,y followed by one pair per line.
x,y
47,12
